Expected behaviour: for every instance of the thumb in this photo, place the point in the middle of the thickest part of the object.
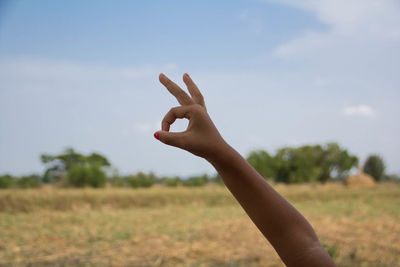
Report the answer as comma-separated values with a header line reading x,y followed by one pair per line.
x,y
170,138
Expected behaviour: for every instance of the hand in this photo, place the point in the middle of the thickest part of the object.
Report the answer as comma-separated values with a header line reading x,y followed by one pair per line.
x,y
201,136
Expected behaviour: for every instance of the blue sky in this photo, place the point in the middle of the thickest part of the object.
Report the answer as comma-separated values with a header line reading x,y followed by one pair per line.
x,y
273,72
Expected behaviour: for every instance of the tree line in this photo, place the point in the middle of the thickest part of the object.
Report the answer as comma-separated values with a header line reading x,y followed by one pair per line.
x,y
73,169
304,164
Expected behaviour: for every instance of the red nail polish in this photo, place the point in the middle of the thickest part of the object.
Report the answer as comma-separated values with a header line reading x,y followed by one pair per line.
x,y
157,136
187,75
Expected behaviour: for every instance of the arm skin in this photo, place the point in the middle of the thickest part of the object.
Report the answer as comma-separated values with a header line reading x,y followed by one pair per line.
x,y
285,228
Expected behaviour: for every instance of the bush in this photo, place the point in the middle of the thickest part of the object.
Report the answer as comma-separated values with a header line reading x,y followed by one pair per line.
x,y
29,181
392,178
86,175
6,181
217,180
196,181
171,181
140,180
97,178
375,167
118,181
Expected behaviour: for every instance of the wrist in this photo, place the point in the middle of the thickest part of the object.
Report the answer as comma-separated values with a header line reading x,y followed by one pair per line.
x,y
220,154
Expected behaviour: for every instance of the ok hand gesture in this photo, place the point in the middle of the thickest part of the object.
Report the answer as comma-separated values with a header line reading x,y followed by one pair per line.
x,y
201,136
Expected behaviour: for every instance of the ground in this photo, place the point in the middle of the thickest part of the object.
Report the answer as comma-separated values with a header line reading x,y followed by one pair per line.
x,y
188,226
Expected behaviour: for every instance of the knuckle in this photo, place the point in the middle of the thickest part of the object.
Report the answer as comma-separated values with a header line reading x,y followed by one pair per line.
x,y
175,110
197,108
165,124
200,99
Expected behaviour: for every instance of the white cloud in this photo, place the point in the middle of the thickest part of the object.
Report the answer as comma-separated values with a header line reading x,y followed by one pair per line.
x,y
352,25
347,16
360,110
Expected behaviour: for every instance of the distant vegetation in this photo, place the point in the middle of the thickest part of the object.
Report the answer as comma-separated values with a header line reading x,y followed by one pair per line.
x,y
375,167
75,169
305,164
26,181
318,163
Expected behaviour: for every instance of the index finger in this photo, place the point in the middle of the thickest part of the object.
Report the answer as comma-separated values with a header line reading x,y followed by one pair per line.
x,y
175,113
180,95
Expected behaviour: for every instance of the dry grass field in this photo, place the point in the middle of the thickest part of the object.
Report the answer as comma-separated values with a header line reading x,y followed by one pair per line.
x,y
188,226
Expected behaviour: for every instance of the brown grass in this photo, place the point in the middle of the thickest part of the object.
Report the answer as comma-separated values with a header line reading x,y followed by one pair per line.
x,y
188,226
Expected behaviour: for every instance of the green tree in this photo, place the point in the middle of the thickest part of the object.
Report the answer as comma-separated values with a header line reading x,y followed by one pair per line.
x,y
308,163
97,159
86,175
72,165
264,164
375,166
334,162
297,165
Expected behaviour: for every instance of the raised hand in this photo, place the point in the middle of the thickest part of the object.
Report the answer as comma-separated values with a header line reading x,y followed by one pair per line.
x,y
201,136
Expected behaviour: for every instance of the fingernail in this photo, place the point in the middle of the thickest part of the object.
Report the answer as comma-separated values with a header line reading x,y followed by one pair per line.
x,y
187,75
157,135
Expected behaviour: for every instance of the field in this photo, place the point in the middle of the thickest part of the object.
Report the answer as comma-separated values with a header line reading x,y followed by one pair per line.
x,y
188,226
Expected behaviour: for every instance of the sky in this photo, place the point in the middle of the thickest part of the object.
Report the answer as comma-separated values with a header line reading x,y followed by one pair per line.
x,y
274,73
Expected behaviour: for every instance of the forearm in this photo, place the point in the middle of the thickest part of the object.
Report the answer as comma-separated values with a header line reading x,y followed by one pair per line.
x,y
284,227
